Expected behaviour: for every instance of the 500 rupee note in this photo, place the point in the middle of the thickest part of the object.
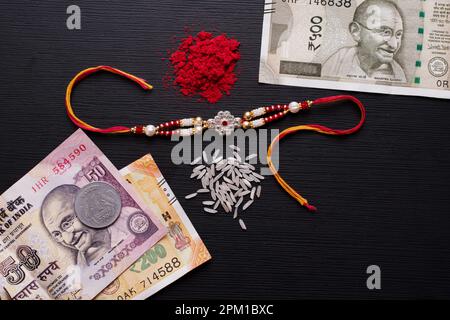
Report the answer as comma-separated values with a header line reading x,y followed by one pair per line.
x,y
385,46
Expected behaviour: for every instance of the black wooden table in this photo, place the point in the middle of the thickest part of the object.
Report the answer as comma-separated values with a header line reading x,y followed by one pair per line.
x,y
383,194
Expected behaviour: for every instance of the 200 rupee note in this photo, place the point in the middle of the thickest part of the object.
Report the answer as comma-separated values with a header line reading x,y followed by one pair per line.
x,y
179,252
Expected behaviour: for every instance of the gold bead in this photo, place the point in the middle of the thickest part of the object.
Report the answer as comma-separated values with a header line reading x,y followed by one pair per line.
x,y
246,125
198,121
248,115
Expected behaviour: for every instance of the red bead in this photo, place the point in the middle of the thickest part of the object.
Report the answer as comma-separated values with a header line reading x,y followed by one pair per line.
x,y
139,129
304,105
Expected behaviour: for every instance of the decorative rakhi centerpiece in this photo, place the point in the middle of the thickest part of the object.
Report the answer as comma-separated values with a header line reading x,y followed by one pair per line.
x,y
224,122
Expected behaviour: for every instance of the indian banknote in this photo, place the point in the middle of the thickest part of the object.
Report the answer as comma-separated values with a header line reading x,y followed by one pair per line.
x,y
384,46
71,226
179,252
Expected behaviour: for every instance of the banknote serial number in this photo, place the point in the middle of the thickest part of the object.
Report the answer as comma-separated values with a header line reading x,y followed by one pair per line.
x,y
151,257
65,163
332,3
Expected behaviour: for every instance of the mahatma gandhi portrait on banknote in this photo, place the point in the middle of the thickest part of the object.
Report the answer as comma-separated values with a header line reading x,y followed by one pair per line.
x,y
377,29
58,214
384,46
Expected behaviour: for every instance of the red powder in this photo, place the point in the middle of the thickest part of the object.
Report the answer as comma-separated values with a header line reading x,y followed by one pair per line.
x,y
204,65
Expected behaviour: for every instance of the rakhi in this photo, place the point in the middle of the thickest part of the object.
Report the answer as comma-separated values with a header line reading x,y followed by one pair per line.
x,y
224,122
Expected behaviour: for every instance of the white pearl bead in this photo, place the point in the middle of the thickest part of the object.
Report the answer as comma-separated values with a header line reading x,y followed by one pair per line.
x,y
294,107
150,130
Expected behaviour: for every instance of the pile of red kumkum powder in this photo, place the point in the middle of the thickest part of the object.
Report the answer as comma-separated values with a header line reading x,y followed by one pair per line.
x,y
205,65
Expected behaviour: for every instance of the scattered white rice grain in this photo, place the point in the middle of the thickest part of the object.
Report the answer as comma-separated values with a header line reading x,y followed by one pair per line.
x,y
258,176
252,194
237,156
202,173
218,176
233,197
244,193
217,160
210,210
227,180
224,206
197,160
242,183
230,182
249,166
247,177
216,153
232,146
247,183
247,204
190,196
198,168
194,174
239,201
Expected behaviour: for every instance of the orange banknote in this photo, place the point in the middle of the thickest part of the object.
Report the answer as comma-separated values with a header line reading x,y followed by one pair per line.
x,y
179,252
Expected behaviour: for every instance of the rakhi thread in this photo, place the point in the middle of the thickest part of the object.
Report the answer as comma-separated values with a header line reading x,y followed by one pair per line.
x,y
316,128
83,74
224,122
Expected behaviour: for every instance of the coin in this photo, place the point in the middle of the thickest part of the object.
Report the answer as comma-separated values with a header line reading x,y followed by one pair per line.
x,y
98,205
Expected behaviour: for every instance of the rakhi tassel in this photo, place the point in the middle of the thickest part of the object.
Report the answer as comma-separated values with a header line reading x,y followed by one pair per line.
x,y
316,128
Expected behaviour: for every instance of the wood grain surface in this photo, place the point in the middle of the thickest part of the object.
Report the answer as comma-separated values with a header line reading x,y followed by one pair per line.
x,y
383,194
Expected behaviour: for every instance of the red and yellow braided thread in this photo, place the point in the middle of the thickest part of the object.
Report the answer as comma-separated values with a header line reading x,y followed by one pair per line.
x,y
316,128
83,74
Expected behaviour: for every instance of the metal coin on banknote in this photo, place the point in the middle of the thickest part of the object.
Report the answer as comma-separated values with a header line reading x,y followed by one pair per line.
x,y
224,123
98,205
